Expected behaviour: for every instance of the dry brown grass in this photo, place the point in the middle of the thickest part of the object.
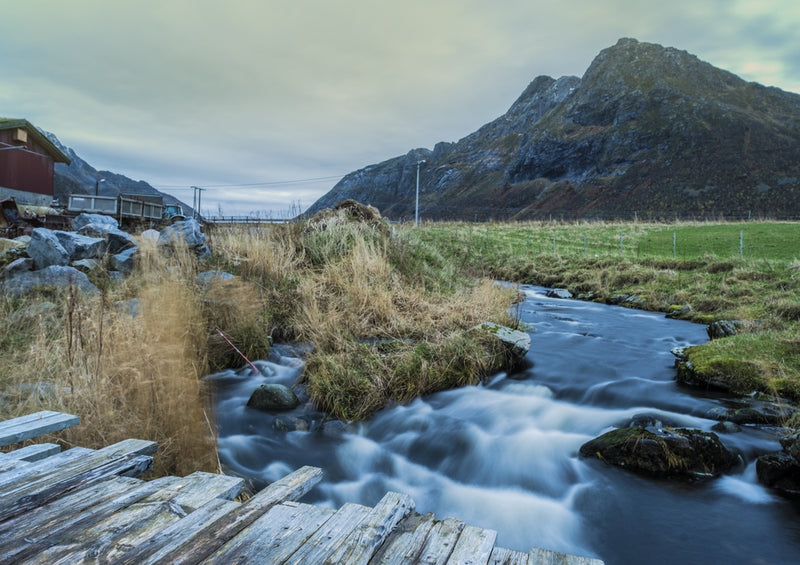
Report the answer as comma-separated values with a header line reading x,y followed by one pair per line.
x,y
125,376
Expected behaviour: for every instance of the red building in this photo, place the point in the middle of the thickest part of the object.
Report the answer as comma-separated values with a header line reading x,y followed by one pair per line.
x,y
27,159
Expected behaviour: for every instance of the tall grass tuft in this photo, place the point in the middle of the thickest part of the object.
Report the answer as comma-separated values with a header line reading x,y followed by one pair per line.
x,y
128,369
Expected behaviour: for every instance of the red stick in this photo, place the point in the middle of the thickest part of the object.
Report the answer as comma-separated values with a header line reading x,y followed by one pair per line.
x,y
236,349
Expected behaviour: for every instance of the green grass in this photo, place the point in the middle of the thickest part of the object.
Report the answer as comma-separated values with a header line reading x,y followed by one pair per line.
x,y
706,276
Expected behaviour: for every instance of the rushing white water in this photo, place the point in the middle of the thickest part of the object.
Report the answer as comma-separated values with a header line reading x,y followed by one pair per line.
x,y
505,455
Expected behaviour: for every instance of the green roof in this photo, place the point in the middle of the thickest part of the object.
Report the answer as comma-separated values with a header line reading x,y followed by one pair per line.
x,y
38,136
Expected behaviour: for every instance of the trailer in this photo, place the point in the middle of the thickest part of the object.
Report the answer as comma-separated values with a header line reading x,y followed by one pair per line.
x,y
126,208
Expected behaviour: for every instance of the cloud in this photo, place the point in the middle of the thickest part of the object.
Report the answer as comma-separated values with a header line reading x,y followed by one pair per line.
x,y
200,92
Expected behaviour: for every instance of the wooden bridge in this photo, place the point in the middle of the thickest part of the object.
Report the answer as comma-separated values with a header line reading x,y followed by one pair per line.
x,y
88,506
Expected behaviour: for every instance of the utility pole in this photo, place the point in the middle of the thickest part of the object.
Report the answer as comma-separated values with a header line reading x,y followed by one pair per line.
x,y
416,205
196,194
199,196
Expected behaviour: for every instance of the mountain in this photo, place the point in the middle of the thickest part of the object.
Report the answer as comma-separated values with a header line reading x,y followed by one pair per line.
x,y
647,132
81,178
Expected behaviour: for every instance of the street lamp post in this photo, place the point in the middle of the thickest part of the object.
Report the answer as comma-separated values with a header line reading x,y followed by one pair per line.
x,y
97,186
416,205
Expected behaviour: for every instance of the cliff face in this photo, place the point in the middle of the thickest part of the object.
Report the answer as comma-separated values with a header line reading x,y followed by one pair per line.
x,y
647,131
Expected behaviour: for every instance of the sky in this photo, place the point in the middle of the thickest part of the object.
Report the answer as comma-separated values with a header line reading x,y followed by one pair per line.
x,y
266,104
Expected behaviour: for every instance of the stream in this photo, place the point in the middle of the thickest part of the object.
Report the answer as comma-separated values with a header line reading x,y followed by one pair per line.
x,y
504,455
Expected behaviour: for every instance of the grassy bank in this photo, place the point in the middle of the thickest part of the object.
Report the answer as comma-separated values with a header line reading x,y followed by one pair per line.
x,y
389,319
748,272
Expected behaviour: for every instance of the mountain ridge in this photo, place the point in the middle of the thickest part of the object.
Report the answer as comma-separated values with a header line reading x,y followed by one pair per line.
x,y
647,131
79,177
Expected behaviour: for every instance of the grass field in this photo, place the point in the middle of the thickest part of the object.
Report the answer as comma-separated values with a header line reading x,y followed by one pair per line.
x,y
703,272
751,240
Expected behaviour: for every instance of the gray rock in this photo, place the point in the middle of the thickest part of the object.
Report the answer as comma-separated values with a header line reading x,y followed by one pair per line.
x,y
124,261
186,231
208,277
518,342
726,427
116,239
18,266
45,249
665,452
273,398
747,410
81,246
559,293
86,265
780,471
150,235
720,329
130,307
54,276
84,219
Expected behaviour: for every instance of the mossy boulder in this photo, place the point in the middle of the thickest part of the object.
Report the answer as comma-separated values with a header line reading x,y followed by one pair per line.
x,y
273,398
781,470
679,453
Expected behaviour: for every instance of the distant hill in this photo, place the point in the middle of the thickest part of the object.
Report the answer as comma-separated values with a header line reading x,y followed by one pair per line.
x,y
647,132
79,178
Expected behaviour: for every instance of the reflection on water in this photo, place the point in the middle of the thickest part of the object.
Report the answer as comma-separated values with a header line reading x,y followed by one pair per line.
x,y
504,455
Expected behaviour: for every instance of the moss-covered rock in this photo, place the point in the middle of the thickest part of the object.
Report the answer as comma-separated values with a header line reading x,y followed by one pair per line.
x,y
662,452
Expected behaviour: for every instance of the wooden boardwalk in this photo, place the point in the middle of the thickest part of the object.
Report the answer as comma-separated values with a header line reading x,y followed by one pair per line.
x,y
88,506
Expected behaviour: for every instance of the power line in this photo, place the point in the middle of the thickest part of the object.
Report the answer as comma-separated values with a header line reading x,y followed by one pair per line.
x,y
265,183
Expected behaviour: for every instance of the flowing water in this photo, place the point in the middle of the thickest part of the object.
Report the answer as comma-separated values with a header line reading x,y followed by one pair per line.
x,y
505,455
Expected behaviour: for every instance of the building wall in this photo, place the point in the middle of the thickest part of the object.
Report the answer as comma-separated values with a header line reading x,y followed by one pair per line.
x,y
27,170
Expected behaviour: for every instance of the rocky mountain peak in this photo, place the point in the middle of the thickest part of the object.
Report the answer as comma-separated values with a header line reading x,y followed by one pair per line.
x,y
647,130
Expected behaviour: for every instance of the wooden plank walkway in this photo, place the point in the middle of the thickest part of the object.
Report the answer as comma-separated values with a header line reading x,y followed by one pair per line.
x,y
89,506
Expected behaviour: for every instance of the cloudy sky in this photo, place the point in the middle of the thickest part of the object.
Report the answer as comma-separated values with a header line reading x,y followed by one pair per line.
x,y
267,103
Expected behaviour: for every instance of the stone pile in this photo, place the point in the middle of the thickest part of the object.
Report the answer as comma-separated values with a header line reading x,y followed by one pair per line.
x,y
59,259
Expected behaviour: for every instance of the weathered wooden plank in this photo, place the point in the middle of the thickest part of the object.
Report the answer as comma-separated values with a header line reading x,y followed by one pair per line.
x,y
199,488
538,556
34,425
140,521
115,534
330,535
405,543
119,459
45,518
191,524
274,536
502,556
20,470
474,546
178,547
441,541
362,542
34,452
22,546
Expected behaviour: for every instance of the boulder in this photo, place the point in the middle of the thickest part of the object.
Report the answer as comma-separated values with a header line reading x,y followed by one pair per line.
x,y
518,342
86,265
721,328
150,235
17,266
747,410
9,244
54,276
82,220
558,293
208,277
81,246
273,398
186,231
663,452
781,470
45,249
116,239
124,261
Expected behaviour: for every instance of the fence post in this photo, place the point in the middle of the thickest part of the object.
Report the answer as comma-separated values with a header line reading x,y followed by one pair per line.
x,y
741,244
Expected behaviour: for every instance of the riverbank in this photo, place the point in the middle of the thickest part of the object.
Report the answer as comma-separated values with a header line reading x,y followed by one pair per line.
x,y
704,273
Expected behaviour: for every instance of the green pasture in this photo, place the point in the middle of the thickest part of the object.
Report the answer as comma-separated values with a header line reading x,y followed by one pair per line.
x,y
772,241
